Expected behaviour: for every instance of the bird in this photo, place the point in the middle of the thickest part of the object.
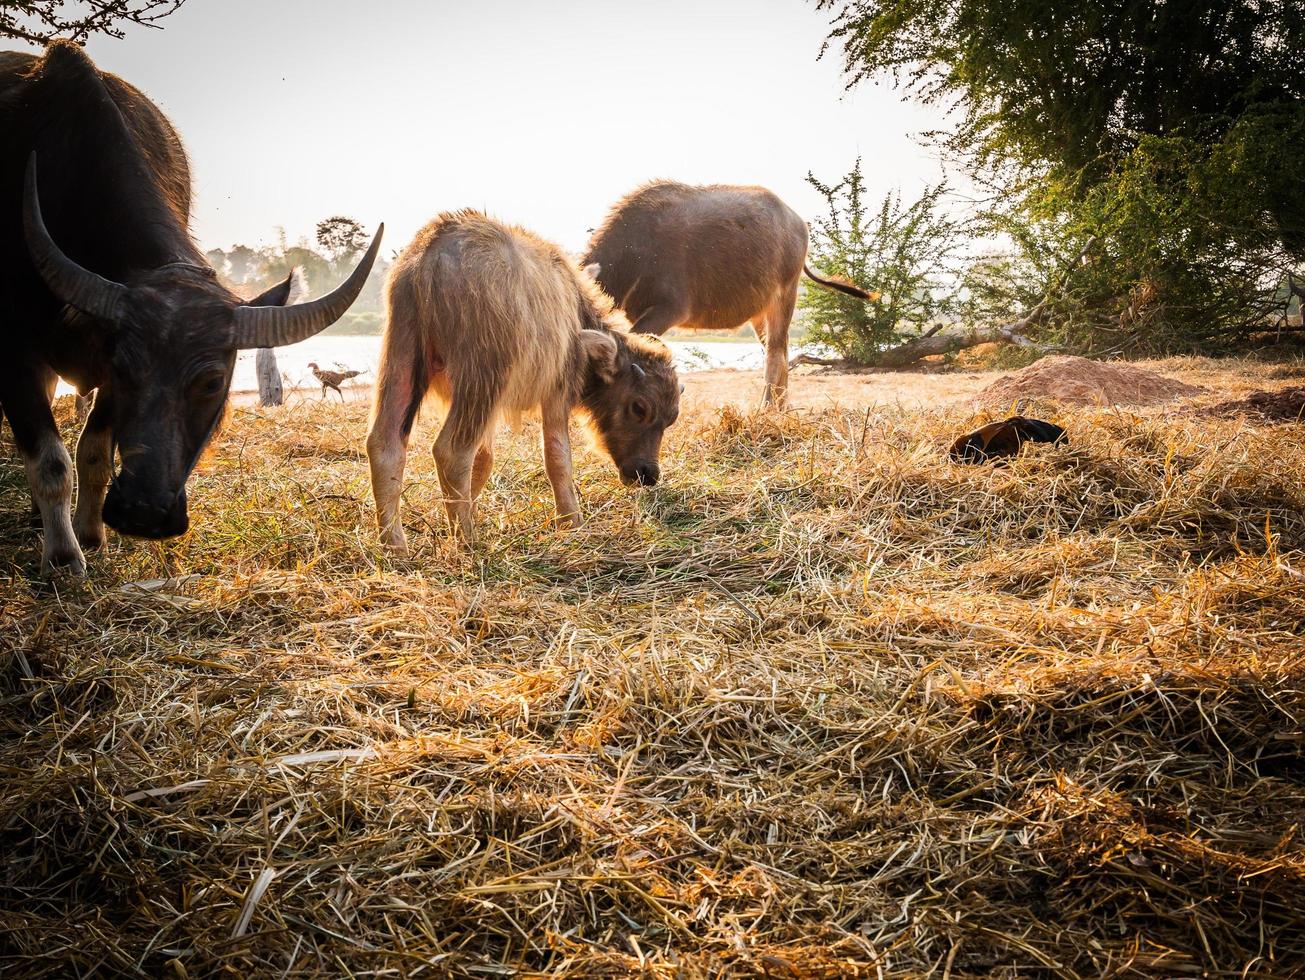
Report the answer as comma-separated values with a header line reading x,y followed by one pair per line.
x,y
331,379
1001,439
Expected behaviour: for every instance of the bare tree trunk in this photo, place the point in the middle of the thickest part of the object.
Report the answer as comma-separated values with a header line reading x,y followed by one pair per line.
x,y
269,378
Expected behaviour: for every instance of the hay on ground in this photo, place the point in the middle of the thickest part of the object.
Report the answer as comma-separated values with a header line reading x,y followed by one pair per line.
x,y
822,704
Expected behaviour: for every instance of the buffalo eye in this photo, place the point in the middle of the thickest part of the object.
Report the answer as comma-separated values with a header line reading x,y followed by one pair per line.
x,y
639,410
209,385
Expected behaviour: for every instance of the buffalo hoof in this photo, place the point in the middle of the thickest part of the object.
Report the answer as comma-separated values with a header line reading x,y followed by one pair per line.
x,y
67,560
91,539
396,545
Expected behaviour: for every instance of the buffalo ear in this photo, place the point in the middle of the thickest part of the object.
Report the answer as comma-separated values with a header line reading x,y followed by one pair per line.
x,y
278,295
599,351
592,270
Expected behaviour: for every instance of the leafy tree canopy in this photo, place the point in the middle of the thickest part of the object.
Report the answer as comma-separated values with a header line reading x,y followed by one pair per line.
x,y
1076,84
1171,133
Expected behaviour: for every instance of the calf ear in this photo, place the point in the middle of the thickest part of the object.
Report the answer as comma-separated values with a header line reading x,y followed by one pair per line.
x,y
599,351
592,270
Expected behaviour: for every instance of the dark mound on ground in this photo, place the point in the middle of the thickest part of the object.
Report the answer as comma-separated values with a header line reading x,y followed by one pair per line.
x,y
1282,405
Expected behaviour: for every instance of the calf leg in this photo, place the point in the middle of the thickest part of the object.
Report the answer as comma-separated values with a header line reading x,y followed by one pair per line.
x,y
557,461
483,464
94,471
778,317
49,469
387,455
455,452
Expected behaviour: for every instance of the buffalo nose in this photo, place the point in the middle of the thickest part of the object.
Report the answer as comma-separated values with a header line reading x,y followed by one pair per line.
x,y
155,516
647,474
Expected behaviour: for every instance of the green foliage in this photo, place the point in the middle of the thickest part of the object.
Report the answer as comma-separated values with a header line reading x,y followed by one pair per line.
x,y
1194,239
1173,133
1075,84
358,323
905,253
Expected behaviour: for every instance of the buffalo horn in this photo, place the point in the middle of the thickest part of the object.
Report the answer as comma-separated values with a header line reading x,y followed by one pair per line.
x,y
275,326
79,288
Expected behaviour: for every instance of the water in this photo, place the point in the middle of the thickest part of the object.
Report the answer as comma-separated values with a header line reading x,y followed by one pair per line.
x,y
364,353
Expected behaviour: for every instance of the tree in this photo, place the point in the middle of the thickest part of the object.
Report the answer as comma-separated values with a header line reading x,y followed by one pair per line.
x,y
279,263
343,238
933,298
41,21
908,254
241,263
1170,131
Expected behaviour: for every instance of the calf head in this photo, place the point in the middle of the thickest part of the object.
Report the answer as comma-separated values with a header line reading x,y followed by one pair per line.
x,y
632,394
171,335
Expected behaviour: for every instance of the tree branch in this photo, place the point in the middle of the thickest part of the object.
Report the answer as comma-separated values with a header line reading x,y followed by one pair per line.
x,y
101,17
936,341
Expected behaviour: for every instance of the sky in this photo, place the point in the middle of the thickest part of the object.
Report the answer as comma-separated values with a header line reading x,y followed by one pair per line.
x,y
540,112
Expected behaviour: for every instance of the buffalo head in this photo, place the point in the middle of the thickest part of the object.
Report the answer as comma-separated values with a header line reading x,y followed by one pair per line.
x,y
170,337
632,394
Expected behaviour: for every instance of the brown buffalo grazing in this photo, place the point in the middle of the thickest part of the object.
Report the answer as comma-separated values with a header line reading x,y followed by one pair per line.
x,y
708,258
1000,440
496,322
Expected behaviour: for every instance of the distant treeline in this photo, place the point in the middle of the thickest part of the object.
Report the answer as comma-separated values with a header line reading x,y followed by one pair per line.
x,y
340,242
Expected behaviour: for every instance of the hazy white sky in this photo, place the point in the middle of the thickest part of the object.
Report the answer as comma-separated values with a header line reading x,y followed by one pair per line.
x,y
541,112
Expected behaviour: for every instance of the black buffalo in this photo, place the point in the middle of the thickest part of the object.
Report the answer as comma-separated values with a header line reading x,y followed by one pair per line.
x,y
101,283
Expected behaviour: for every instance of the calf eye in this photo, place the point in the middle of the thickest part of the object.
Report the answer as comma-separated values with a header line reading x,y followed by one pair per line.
x,y
639,410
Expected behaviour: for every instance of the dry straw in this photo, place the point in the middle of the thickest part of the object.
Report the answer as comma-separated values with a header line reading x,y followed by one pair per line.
x,y
823,705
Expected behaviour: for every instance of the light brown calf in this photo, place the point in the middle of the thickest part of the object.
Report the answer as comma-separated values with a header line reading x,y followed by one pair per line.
x,y
496,321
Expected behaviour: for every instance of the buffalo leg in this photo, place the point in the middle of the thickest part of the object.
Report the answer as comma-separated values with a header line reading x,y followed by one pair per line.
x,y
94,471
557,461
658,319
49,382
778,318
46,460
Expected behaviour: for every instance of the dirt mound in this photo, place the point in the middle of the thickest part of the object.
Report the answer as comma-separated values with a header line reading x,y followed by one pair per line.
x,y
1283,405
1079,381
